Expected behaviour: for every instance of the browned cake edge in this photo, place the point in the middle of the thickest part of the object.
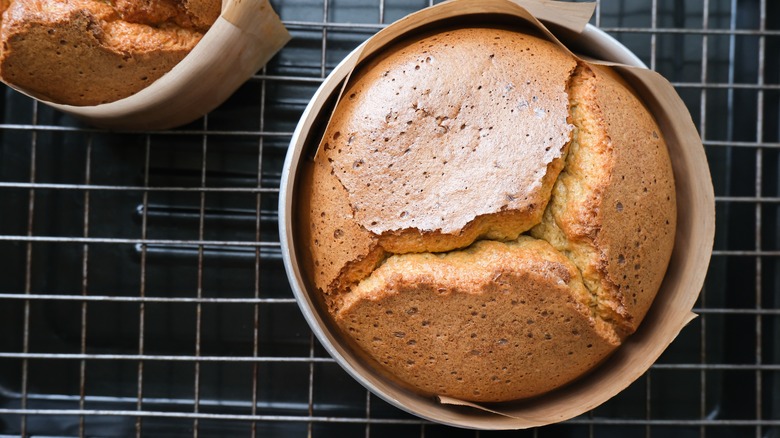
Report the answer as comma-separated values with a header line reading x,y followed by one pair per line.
x,y
352,251
496,321
643,202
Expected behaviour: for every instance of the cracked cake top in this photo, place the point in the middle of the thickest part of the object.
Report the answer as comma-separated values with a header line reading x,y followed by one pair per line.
x,y
497,117
488,217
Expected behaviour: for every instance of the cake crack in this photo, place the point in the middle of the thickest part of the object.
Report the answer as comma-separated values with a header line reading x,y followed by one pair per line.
x,y
602,305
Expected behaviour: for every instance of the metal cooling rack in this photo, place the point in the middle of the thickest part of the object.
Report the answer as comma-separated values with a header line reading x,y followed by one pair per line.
x,y
142,291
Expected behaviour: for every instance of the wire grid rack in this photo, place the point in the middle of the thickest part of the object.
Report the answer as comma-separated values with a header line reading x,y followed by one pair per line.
x,y
141,285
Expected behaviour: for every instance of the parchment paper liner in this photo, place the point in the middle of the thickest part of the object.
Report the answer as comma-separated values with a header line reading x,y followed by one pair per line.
x,y
671,310
244,37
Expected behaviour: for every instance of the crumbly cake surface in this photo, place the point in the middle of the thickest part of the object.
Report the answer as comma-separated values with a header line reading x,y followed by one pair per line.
x,y
613,209
489,218
411,169
88,52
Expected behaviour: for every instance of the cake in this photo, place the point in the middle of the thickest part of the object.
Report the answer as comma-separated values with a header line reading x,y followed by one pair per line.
x,y
88,52
489,218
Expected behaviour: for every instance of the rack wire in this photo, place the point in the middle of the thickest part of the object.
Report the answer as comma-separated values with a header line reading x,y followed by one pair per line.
x,y
142,290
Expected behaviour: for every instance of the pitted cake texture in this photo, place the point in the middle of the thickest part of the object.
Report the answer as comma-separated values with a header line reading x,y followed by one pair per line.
x,y
411,169
88,52
489,217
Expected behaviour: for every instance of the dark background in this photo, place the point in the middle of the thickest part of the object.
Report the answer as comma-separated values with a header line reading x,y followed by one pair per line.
x,y
126,257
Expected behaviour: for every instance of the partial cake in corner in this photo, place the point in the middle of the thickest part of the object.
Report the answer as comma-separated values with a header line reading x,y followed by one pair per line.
x,y
88,52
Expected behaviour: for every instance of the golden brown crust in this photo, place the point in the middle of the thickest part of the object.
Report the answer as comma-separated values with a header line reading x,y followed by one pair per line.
x,y
501,116
613,210
638,206
154,12
87,52
341,249
203,13
495,322
426,279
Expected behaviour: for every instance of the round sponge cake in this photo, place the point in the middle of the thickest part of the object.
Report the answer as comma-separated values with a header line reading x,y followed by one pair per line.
x,y
489,217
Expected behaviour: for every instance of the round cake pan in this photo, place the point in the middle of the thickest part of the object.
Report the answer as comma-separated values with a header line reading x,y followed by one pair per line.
x,y
679,291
